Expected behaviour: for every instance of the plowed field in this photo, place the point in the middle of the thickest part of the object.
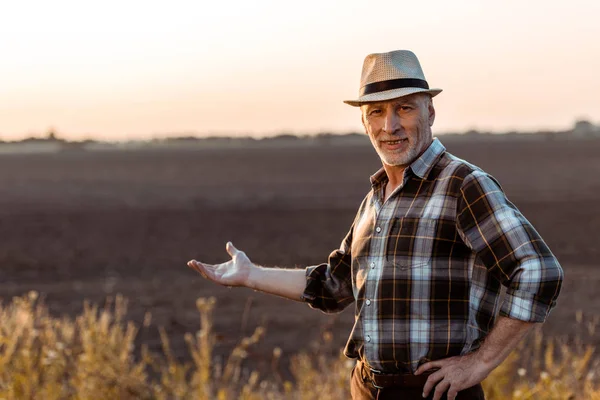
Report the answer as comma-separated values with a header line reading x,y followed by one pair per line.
x,y
86,225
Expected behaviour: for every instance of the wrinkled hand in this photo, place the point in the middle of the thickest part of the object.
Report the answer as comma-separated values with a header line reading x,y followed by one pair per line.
x,y
234,272
454,374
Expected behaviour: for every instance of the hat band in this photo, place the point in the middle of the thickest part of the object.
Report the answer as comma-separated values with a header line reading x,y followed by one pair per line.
x,y
393,84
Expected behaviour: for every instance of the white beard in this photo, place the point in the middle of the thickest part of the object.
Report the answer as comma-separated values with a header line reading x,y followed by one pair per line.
x,y
396,159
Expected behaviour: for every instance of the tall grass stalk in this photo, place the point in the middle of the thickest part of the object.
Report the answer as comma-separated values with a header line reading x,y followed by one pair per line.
x,y
92,357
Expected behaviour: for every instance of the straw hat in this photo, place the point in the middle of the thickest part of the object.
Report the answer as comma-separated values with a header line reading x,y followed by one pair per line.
x,y
387,76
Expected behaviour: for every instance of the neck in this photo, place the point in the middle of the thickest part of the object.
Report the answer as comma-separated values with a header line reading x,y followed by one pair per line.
x,y
395,174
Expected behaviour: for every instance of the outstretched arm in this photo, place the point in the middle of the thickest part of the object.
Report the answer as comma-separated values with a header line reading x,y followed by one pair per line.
x,y
462,372
240,271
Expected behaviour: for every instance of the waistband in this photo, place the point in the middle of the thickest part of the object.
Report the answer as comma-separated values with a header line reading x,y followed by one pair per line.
x,y
381,380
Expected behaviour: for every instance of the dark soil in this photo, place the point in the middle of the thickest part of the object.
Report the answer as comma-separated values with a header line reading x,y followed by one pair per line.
x,y
87,225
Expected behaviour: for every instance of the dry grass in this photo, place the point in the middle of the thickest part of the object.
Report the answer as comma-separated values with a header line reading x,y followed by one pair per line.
x,y
92,357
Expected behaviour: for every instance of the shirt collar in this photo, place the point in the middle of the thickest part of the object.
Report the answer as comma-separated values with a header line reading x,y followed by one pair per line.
x,y
421,167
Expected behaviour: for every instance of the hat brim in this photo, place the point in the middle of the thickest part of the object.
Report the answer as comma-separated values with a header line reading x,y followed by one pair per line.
x,y
390,94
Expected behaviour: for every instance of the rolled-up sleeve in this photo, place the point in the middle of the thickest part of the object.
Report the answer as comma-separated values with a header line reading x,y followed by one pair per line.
x,y
329,285
509,247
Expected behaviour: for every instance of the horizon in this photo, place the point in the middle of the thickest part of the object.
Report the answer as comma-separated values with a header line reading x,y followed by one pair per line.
x,y
57,136
267,68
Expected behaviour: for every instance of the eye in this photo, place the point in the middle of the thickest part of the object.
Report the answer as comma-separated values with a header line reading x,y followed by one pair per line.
x,y
405,108
375,111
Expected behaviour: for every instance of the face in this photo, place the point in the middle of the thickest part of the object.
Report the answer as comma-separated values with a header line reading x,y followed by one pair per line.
x,y
400,129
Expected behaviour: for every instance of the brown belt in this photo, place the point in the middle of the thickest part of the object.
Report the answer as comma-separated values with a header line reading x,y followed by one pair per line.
x,y
382,380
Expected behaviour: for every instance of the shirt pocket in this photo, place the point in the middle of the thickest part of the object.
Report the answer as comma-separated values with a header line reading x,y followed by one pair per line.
x,y
410,242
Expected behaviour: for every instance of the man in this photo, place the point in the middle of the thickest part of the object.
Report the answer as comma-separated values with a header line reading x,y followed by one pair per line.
x,y
430,247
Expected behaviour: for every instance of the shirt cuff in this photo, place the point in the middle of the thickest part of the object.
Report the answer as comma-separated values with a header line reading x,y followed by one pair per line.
x,y
524,306
309,295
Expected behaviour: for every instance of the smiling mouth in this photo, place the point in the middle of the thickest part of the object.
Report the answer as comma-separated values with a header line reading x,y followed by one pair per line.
x,y
392,142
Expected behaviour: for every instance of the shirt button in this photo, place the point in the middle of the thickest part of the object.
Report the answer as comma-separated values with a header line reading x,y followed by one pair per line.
x,y
368,338
378,229
372,265
368,302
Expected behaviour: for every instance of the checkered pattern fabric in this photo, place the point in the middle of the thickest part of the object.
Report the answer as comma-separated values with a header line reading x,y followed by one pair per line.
x,y
426,267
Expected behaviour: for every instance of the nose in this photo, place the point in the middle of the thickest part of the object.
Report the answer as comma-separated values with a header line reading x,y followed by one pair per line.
x,y
392,122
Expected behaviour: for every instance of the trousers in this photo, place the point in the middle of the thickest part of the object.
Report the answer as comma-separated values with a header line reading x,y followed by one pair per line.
x,y
362,389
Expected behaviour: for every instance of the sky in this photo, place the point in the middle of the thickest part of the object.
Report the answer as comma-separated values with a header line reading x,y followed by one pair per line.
x,y
123,70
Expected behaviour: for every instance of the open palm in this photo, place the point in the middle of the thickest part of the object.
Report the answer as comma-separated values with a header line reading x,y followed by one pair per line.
x,y
234,272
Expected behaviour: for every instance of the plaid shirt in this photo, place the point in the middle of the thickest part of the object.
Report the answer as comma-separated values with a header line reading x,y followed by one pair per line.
x,y
427,266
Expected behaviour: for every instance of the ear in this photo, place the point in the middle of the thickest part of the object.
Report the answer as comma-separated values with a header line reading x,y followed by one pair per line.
x,y
431,111
362,119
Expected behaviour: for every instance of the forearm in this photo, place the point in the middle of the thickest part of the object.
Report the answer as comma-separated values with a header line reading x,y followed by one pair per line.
x,y
461,372
288,283
503,338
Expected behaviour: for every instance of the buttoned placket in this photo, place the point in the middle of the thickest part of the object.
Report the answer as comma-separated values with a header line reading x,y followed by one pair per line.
x,y
380,230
